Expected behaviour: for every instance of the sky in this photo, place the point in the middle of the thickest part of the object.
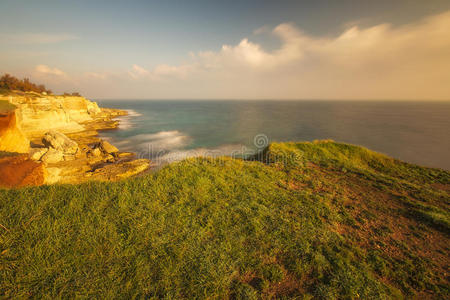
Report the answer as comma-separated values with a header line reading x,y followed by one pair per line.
x,y
136,49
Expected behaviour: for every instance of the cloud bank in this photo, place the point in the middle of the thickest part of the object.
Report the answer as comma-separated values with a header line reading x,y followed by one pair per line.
x,y
379,62
46,70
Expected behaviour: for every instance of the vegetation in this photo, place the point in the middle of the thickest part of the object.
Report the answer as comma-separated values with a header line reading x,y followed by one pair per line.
x,y
11,83
313,220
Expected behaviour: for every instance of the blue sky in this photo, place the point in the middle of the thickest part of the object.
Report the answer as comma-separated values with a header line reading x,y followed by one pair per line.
x,y
156,49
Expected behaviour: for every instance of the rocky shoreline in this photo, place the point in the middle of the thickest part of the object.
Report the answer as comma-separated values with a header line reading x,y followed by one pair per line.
x,y
54,139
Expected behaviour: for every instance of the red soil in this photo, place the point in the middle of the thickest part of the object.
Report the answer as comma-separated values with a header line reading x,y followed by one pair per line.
x,y
19,171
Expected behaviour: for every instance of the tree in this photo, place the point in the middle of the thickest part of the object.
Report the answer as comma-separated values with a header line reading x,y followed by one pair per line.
x,y
11,83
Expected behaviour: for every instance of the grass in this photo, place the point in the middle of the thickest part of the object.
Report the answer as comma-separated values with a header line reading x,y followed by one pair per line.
x,y
315,220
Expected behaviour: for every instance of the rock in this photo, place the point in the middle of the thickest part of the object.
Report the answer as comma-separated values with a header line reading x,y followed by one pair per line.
x,y
60,142
93,108
37,153
12,138
134,167
18,171
109,158
120,170
69,157
107,147
123,154
96,152
52,156
53,175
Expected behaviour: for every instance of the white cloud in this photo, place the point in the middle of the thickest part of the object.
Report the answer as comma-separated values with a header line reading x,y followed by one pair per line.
x,y
175,71
46,70
138,72
378,62
161,72
96,75
36,38
410,61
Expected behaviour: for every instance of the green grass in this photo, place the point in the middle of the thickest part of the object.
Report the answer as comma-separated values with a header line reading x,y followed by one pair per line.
x,y
317,220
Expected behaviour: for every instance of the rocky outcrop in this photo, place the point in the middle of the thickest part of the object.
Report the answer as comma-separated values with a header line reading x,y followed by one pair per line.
x,y
68,162
52,156
119,171
11,137
60,142
38,114
19,171
37,153
108,148
64,139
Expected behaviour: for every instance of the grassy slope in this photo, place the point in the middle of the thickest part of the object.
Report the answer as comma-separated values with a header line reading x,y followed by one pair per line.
x,y
320,219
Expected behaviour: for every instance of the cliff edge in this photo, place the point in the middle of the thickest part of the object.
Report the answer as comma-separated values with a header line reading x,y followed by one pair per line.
x,y
12,138
39,122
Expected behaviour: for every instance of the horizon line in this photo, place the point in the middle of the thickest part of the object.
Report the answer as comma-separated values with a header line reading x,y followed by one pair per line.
x,y
269,99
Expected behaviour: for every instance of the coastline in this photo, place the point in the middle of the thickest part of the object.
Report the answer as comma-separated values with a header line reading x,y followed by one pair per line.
x,y
47,124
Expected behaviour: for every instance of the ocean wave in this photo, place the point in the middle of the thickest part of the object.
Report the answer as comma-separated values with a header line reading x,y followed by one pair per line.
x,y
127,122
153,144
169,146
133,113
164,140
235,150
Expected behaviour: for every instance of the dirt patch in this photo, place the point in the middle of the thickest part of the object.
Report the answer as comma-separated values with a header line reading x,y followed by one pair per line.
x,y
19,171
377,220
442,187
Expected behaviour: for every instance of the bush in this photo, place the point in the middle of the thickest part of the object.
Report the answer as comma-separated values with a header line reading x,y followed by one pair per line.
x,y
11,83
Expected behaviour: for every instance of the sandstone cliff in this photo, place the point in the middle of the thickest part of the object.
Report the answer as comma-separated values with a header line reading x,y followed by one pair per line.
x,y
39,113
11,137
65,147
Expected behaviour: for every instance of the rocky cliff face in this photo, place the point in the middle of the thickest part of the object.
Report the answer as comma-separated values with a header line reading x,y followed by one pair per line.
x,y
38,114
12,138
65,146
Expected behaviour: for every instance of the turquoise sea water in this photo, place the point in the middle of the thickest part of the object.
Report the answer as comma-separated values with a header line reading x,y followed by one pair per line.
x,y
417,132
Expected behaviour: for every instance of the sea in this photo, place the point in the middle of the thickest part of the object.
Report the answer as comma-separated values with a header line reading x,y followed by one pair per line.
x,y
171,130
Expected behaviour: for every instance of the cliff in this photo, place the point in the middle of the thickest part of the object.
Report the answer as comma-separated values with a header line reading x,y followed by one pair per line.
x,y
62,132
39,113
12,138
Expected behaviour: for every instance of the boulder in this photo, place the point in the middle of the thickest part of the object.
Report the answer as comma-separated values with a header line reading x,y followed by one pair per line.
x,y
96,152
109,158
107,147
37,153
52,156
60,142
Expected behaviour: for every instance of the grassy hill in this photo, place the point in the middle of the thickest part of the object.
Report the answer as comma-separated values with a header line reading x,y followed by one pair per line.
x,y
308,220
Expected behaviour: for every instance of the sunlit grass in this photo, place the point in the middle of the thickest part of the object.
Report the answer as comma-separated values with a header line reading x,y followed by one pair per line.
x,y
219,228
